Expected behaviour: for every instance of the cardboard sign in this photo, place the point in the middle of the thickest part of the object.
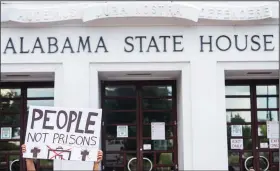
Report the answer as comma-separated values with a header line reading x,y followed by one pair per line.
x,y
236,144
274,143
6,133
63,133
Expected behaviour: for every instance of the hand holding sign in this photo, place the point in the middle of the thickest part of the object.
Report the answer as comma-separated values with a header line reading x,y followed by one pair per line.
x,y
65,134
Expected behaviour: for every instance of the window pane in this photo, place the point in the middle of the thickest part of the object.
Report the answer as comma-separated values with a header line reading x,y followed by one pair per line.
x,y
117,162
270,102
264,143
121,145
10,146
247,144
120,117
245,156
262,130
157,104
264,116
3,162
13,157
238,116
15,132
10,93
40,103
168,131
275,157
120,91
111,131
149,117
267,90
160,144
157,90
262,162
146,165
233,158
246,130
114,159
120,104
238,103
9,119
40,92
237,90
10,106
164,158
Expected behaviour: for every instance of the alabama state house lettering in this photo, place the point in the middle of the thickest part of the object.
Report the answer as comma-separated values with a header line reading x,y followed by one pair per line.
x,y
137,43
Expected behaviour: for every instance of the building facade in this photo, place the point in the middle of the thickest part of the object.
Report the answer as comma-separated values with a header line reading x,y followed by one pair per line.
x,y
209,71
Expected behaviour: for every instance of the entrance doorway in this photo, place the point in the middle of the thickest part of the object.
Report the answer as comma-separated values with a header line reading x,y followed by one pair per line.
x,y
129,110
250,105
15,99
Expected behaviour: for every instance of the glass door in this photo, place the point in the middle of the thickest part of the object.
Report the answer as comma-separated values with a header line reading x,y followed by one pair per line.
x,y
130,109
15,99
10,125
250,106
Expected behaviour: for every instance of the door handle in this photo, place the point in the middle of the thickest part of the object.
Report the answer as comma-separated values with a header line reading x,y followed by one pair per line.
x,y
251,157
144,158
16,160
128,164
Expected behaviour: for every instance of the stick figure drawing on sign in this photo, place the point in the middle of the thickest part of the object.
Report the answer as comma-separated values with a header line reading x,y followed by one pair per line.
x,y
84,154
30,165
35,152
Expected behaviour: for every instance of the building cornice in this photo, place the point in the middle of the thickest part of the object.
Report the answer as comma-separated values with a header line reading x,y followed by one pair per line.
x,y
48,13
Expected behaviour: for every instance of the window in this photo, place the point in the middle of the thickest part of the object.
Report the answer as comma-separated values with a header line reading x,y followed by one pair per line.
x,y
248,108
14,103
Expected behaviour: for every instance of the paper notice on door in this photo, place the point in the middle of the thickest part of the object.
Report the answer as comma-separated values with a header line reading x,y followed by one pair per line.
x,y
158,130
236,144
122,131
147,146
274,143
272,129
236,130
264,145
6,133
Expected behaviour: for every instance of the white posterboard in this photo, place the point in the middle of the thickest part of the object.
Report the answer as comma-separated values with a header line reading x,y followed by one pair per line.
x,y
122,131
272,129
236,130
158,130
63,133
236,144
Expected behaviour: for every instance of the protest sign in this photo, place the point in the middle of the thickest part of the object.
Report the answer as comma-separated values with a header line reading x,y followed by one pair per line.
x,y
63,133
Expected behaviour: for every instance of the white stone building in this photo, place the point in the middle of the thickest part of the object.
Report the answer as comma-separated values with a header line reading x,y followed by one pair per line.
x,y
200,67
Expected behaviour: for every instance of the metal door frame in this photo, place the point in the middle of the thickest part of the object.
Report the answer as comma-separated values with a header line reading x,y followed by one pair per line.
x,y
139,114
23,86
254,122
